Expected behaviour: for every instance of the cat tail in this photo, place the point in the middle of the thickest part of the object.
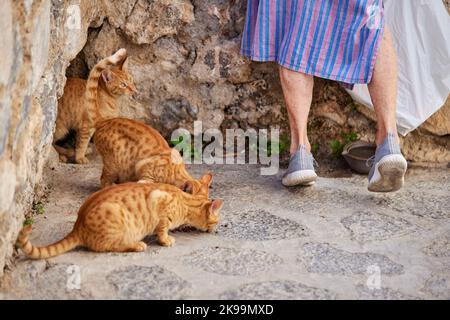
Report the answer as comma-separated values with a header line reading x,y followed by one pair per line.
x,y
70,152
64,151
70,242
91,93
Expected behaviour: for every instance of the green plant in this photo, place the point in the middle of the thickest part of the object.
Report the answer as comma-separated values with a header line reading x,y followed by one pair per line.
x,y
337,147
277,146
284,143
272,146
38,208
314,147
28,221
349,136
193,153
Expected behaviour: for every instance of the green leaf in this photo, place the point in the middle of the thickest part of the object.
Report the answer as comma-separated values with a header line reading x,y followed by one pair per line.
x,y
314,147
28,221
337,147
39,208
349,136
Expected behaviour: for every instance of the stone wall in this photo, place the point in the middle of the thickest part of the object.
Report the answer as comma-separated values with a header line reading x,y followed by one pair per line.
x,y
185,60
38,42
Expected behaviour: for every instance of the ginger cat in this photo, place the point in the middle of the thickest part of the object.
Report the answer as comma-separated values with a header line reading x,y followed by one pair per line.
x,y
85,102
133,151
117,218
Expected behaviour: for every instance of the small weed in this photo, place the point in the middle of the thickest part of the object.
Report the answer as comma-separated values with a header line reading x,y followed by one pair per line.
x,y
349,136
337,147
193,153
277,146
38,208
314,147
284,142
28,221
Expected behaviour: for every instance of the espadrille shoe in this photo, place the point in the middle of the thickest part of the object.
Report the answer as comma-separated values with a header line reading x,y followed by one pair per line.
x,y
300,170
388,167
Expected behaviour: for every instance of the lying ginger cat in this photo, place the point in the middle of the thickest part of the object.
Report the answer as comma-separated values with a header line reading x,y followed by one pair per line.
x,y
133,151
117,218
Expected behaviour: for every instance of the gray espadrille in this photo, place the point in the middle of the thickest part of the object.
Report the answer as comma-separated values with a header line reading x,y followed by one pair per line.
x,y
388,168
301,169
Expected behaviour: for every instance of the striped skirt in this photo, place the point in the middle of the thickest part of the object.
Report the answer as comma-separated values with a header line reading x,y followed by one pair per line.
x,y
331,39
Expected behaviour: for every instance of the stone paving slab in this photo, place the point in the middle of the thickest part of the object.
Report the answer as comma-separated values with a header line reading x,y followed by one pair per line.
x,y
334,240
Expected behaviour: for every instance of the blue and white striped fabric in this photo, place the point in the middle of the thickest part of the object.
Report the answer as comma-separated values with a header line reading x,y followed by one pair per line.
x,y
332,39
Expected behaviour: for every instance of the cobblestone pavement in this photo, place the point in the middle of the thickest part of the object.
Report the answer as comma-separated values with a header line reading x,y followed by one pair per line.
x,y
334,240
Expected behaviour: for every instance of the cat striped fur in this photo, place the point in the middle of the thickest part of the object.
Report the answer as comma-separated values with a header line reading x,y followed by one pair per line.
x,y
86,102
133,151
117,218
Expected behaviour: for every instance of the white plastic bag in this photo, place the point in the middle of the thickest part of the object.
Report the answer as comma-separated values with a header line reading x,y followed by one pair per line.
x,y
421,33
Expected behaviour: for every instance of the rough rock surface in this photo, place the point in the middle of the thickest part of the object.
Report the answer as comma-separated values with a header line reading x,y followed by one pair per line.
x,y
185,59
39,39
331,256
192,70
277,290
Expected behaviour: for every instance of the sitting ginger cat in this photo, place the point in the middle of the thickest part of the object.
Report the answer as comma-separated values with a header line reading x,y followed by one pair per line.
x,y
85,102
117,218
133,151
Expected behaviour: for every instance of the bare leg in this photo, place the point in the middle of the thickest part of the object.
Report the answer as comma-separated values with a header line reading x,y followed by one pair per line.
x,y
383,88
297,90
388,170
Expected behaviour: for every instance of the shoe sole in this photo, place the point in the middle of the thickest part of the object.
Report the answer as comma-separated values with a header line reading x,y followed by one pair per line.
x,y
303,177
389,174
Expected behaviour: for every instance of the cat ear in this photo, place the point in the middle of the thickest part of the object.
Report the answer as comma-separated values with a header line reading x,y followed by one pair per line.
x,y
188,187
203,190
215,207
206,179
107,75
124,65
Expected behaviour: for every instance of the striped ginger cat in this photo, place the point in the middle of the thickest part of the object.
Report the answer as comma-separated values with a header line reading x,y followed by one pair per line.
x,y
117,218
133,151
85,102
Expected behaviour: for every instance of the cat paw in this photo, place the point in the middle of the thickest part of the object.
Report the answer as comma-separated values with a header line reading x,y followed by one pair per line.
x,y
140,246
169,241
82,160
106,184
63,158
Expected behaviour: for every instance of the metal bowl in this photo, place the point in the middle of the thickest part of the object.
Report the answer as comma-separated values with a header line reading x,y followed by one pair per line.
x,y
357,153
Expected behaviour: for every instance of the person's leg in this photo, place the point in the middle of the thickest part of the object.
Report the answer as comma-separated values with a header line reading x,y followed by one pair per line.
x,y
389,166
383,88
297,90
